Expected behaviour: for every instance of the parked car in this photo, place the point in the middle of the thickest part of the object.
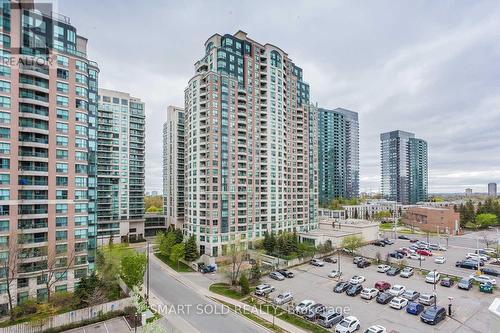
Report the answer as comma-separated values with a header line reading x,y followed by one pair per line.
x,y
283,298
423,247
388,241
384,298
263,289
286,273
314,311
276,276
433,315
490,271
357,279
406,272
411,295
206,269
413,240
422,252
330,260
415,256
354,290
487,251
382,285
329,318
317,262
304,306
434,247
334,273
404,237
402,252
440,260
348,325
398,303
393,271
483,279
397,290
486,287
379,243
363,263
469,264
477,256
426,299
433,277
414,247
465,283
383,268
356,259
447,282
369,293
396,255
414,308
341,287
476,262
376,329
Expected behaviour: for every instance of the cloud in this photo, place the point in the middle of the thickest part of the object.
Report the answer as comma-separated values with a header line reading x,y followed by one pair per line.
x,y
424,66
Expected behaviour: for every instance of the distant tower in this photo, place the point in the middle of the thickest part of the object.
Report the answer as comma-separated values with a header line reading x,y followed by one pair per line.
x,y
468,192
492,190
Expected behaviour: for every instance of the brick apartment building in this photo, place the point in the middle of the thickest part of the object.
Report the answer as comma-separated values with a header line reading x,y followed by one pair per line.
x,y
432,219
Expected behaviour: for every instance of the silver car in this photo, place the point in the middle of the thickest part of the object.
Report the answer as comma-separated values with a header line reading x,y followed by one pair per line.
x,y
406,272
283,298
411,295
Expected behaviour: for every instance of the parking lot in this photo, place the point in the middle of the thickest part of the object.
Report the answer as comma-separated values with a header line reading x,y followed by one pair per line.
x,y
470,308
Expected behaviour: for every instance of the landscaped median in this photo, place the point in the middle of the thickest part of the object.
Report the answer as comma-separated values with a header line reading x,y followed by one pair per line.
x,y
179,267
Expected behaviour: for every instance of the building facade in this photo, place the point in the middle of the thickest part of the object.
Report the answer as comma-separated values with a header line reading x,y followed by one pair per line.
x,y
48,107
120,166
173,166
338,154
247,145
492,190
443,220
404,167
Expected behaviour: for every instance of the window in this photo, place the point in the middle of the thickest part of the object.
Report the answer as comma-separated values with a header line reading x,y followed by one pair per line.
x,y
71,36
80,78
80,91
62,128
81,234
80,156
4,148
61,208
4,164
62,167
61,221
61,235
4,133
81,130
80,65
62,141
80,182
62,61
81,208
61,248
4,117
62,100
61,181
4,226
80,143
4,179
81,168
58,32
62,114
62,288
81,117
4,70
5,102
62,87
4,194
4,86
61,194
80,194
80,221
61,154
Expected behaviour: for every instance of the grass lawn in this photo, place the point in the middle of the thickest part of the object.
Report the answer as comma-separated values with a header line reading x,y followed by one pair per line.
x,y
183,268
224,289
254,318
288,317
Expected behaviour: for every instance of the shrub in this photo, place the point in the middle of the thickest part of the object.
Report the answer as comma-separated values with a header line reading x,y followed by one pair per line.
x,y
245,286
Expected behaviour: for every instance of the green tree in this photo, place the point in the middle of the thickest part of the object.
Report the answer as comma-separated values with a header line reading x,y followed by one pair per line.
x,y
191,249
166,243
177,253
255,273
133,267
90,290
383,215
245,286
486,219
352,242
179,237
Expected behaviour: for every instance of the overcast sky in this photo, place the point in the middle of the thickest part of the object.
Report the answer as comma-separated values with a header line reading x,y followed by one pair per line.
x,y
428,67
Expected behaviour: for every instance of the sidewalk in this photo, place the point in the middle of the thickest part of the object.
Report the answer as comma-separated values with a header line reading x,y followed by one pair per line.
x,y
207,293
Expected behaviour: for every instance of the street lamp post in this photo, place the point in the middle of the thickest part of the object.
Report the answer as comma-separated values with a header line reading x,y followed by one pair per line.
x,y
435,295
148,271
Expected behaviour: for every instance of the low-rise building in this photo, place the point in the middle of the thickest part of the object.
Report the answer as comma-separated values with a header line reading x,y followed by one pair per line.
x,y
433,219
154,223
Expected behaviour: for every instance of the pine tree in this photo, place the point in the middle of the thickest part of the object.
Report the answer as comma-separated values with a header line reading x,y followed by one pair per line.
x,y
191,250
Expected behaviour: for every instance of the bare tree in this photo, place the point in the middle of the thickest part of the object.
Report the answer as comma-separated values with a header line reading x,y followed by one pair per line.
x,y
236,257
10,266
57,268
487,240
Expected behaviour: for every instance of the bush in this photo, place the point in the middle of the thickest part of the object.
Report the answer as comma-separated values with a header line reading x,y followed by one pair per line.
x,y
245,286
25,308
63,300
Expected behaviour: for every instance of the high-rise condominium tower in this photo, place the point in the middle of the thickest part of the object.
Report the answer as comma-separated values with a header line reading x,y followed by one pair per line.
x,y
338,151
173,167
120,166
492,190
48,109
248,154
404,167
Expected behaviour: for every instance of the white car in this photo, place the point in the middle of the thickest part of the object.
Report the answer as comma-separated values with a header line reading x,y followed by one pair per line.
x,y
483,279
406,272
369,293
357,279
304,306
477,256
397,290
283,298
398,303
415,256
317,262
489,251
433,277
440,260
376,329
383,268
335,273
348,325
263,289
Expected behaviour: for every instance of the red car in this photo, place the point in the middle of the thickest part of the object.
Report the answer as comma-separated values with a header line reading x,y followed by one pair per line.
x,y
382,286
424,252
413,240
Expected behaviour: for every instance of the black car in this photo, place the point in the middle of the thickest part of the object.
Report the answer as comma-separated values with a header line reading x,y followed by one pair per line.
x,y
341,287
314,311
396,255
433,315
379,243
384,298
363,263
447,282
490,271
393,271
388,241
469,264
330,260
286,273
354,290
404,237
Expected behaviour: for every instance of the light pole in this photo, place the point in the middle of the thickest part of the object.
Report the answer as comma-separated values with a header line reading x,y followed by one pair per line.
x,y
435,295
148,271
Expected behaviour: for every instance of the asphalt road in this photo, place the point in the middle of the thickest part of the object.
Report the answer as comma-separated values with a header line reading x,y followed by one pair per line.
x,y
202,314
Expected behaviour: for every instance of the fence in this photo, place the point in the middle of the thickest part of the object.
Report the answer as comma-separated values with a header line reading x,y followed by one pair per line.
x,y
69,317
